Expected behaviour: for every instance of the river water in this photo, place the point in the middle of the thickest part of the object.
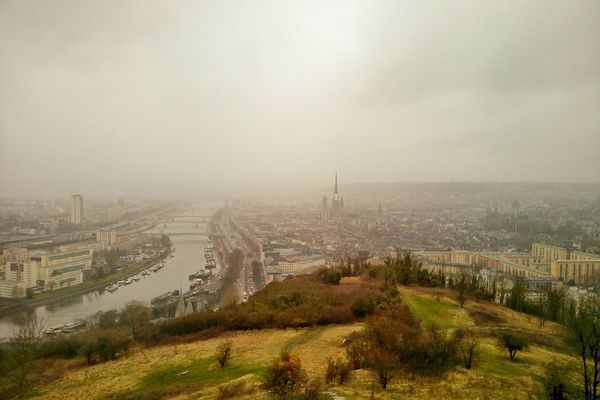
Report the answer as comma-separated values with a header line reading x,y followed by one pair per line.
x,y
188,257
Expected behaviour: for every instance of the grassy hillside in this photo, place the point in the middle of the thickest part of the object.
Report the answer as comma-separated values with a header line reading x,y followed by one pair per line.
x,y
189,371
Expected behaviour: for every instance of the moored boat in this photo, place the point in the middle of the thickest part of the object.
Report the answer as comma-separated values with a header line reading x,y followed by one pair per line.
x,y
112,288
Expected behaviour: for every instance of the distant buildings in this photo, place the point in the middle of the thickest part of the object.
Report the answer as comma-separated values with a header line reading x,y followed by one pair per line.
x,y
297,264
514,220
16,254
76,209
106,239
283,259
273,274
545,262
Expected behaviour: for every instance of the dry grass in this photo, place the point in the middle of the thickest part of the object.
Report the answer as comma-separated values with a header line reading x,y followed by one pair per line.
x,y
101,380
494,376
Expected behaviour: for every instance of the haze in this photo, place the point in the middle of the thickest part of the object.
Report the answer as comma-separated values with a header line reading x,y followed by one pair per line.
x,y
114,96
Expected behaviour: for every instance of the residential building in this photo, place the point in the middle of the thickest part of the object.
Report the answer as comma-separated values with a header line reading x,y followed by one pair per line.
x,y
294,265
17,277
64,269
579,271
16,254
76,209
273,274
106,239
549,253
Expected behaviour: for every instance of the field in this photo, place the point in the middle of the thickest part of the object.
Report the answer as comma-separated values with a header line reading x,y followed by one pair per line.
x,y
188,371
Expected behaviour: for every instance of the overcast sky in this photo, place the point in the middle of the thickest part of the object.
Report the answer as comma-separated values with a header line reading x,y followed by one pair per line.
x,y
108,94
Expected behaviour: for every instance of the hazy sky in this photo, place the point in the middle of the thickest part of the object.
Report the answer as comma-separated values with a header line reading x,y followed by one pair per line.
x,y
99,93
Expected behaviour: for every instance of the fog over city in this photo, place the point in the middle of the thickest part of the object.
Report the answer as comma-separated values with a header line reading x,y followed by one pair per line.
x,y
318,199
126,97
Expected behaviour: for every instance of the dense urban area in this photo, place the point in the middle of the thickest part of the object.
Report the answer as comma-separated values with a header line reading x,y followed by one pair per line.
x,y
547,234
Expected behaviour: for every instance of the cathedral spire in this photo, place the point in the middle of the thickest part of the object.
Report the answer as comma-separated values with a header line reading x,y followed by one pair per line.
x,y
336,189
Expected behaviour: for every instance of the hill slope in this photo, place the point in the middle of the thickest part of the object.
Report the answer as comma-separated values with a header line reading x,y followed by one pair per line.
x,y
161,372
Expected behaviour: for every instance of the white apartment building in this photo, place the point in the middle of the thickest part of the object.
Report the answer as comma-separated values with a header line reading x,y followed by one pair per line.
x,y
17,277
64,269
293,265
107,239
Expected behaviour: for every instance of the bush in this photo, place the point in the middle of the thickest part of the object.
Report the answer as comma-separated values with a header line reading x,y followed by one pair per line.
x,y
330,371
223,353
428,352
355,346
362,307
393,340
105,345
284,375
300,301
330,276
59,347
556,381
337,371
382,336
513,344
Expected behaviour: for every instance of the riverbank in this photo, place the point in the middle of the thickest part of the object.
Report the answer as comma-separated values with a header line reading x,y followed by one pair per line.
x,y
11,306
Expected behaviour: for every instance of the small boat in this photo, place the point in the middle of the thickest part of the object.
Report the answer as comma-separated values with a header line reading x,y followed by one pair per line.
x,y
145,272
128,281
136,278
112,288
200,275
52,331
72,327
120,283
157,266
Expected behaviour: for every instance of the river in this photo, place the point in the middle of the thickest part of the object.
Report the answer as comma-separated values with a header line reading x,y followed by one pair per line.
x,y
188,257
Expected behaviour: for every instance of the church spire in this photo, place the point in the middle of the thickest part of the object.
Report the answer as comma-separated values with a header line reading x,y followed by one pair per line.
x,y
336,189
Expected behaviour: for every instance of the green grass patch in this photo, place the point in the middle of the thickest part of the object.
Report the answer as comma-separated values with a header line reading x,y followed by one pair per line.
x,y
173,380
500,364
431,311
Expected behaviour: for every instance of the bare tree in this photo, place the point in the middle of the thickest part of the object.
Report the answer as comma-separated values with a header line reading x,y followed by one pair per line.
x,y
502,289
137,316
21,349
467,346
586,328
461,288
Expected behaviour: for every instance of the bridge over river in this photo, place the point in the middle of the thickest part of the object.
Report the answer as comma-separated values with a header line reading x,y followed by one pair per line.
x,y
198,219
185,225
